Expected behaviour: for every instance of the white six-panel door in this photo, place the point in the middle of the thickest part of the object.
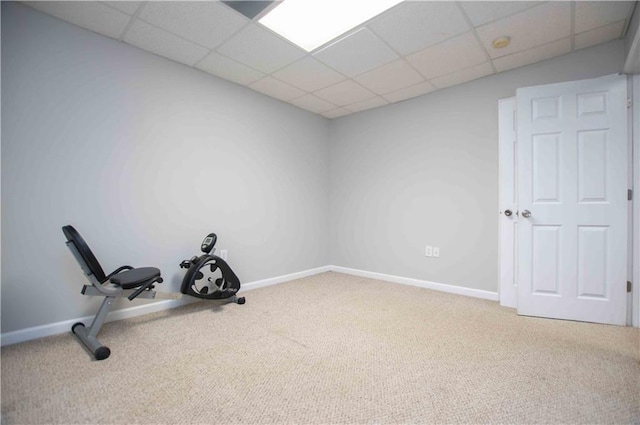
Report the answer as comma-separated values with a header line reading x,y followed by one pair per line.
x,y
572,179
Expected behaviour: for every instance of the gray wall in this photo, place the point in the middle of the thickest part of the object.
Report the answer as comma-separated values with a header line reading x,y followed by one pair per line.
x,y
145,157
425,172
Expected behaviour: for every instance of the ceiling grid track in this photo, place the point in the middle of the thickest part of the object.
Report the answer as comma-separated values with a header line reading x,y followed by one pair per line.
x,y
215,49
132,20
475,34
573,26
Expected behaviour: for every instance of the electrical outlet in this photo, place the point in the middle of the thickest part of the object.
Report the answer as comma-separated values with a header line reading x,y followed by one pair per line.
x,y
223,254
436,252
428,251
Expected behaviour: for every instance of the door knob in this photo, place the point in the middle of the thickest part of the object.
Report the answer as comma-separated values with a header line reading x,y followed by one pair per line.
x,y
508,213
526,213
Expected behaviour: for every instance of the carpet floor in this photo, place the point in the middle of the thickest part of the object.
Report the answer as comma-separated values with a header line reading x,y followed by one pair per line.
x,y
331,348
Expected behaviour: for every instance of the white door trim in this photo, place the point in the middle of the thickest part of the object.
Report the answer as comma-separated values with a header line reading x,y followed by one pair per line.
x,y
507,198
635,254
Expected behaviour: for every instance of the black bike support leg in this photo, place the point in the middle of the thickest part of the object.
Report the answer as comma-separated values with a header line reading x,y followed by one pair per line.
x,y
88,336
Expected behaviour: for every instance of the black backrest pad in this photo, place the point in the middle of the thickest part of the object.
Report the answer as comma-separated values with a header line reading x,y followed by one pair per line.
x,y
73,236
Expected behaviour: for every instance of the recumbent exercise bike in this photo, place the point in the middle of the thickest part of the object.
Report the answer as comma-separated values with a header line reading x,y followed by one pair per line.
x,y
208,277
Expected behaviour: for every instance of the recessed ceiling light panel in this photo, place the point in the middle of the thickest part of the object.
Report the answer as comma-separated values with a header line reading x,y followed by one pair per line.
x,y
312,23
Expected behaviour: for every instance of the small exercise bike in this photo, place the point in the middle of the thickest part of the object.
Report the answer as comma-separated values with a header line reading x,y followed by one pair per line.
x,y
208,277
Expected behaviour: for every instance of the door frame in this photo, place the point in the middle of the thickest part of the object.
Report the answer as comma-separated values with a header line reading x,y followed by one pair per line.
x,y
635,149
507,265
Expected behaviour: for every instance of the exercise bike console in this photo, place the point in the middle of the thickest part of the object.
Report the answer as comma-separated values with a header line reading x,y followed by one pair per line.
x,y
208,243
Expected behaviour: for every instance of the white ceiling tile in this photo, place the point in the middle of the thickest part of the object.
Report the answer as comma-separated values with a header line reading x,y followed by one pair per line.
x,y
93,16
309,74
530,56
594,14
345,93
163,43
276,88
313,103
335,113
463,76
449,56
409,92
128,7
414,25
533,27
390,77
357,53
434,36
260,49
482,12
228,69
599,35
205,23
367,104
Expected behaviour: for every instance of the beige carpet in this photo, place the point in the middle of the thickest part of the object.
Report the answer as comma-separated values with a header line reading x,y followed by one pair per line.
x,y
331,349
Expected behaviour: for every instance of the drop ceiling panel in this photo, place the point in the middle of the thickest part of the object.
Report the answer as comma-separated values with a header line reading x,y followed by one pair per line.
x,y
463,76
367,104
533,27
482,12
590,15
455,54
409,92
345,93
533,55
313,103
228,69
414,25
410,50
260,49
599,35
359,52
390,77
163,43
309,74
128,7
276,88
93,16
335,113
205,23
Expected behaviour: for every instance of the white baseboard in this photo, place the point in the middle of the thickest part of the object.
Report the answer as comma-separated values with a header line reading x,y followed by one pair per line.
x,y
443,287
280,279
35,332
